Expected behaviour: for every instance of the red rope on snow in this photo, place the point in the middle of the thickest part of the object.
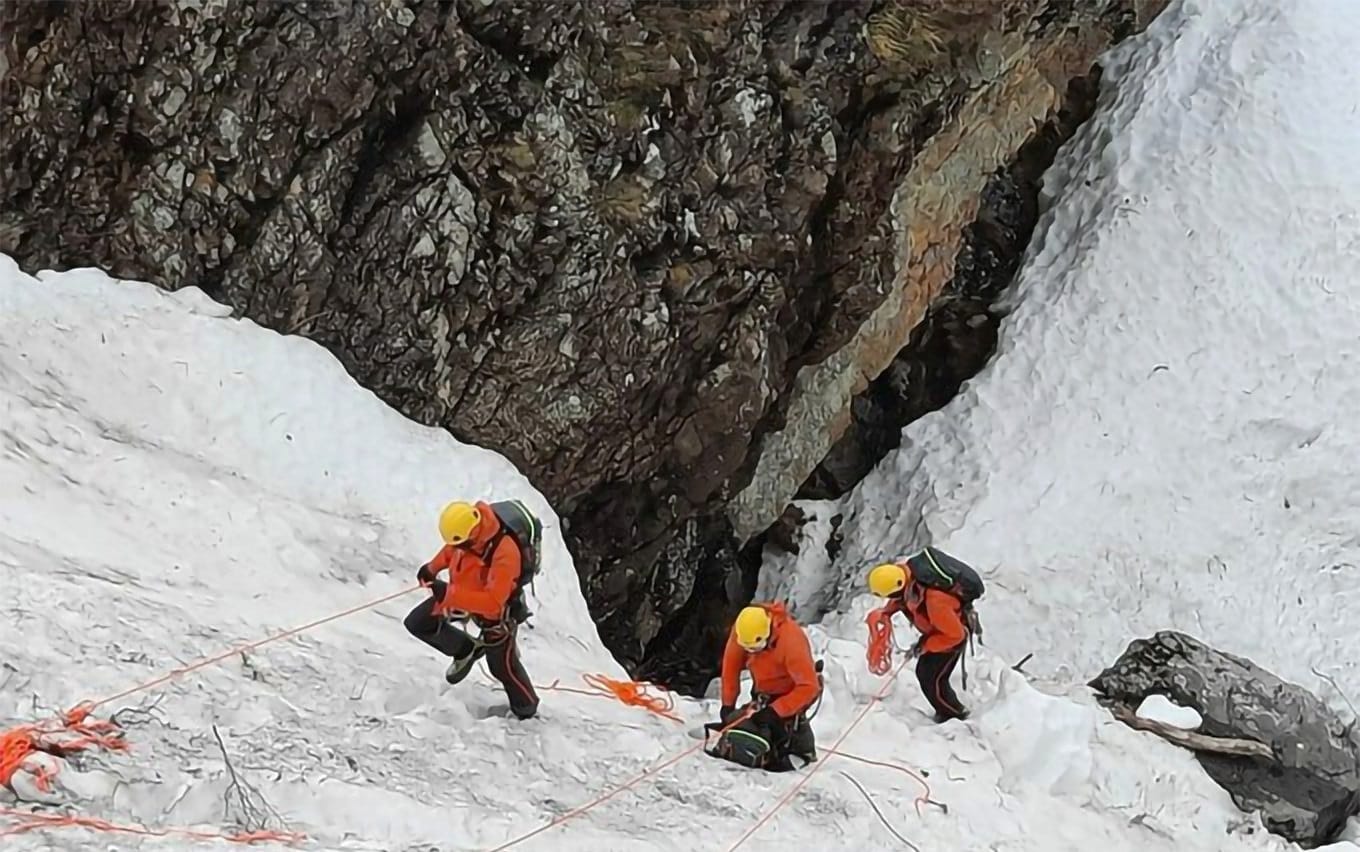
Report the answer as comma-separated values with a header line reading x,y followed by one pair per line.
x,y
36,822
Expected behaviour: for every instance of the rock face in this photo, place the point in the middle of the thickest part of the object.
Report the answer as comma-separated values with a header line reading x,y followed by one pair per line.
x,y
958,333
1313,785
650,251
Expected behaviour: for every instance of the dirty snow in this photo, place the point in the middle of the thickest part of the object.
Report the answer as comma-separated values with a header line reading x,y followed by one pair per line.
x,y
174,481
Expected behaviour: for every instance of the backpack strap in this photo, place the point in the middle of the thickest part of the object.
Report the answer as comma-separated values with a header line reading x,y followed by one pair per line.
x,y
490,551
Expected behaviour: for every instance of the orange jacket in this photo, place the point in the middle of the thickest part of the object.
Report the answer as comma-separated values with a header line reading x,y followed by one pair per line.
x,y
784,670
480,583
938,615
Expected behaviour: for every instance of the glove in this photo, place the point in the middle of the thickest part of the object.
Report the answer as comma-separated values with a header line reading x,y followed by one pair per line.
x,y
424,576
726,713
439,588
766,718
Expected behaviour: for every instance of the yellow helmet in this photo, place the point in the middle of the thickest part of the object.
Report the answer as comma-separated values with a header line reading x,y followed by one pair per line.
x,y
752,629
887,579
458,522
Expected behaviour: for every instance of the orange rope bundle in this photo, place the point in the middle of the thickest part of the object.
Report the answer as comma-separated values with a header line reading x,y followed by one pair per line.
x,y
36,822
881,643
629,692
634,694
18,743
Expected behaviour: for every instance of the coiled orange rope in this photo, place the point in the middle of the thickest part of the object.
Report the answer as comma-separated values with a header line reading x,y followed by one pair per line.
x,y
879,653
628,692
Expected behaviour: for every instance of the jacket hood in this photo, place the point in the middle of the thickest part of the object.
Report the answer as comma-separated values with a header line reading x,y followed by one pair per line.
x,y
779,615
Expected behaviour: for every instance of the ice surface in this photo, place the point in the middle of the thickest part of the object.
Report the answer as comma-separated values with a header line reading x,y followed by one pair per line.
x,y
173,481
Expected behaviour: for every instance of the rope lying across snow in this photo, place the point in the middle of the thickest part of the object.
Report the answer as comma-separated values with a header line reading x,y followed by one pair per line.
x,y
74,731
26,822
870,799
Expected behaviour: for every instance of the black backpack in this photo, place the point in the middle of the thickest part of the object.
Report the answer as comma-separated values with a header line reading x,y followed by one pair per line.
x,y
746,744
520,526
935,569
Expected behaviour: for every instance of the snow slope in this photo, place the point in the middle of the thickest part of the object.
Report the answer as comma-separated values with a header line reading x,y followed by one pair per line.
x,y
1169,433
173,481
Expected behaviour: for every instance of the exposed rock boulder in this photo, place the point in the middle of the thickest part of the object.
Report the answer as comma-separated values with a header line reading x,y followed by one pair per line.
x,y
650,251
1312,784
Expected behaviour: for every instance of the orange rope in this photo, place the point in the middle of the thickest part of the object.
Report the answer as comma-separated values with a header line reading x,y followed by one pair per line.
x,y
36,822
241,649
793,791
634,694
881,643
611,793
18,743
600,799
629,692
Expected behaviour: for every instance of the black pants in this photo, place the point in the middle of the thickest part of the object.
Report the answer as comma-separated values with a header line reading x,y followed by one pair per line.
x,y
497,645
933,671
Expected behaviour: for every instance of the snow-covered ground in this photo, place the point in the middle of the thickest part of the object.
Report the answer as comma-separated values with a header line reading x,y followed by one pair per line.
x,y
173,481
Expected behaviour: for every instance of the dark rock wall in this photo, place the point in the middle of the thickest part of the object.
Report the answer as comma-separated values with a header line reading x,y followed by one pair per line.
x,y
612,240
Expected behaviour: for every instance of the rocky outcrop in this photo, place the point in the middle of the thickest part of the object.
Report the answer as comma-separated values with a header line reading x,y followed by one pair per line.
x,y
958,333
1310,788
651,252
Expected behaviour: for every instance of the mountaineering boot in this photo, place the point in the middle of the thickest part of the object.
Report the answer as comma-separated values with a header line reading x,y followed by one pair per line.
x,y
803,743
462,665
524,712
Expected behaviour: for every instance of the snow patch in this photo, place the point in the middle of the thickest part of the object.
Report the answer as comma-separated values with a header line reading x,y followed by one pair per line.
x,y
1159,708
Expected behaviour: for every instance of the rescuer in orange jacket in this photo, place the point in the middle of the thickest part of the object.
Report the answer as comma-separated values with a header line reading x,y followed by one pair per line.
x,y
938,616
485,564
766,641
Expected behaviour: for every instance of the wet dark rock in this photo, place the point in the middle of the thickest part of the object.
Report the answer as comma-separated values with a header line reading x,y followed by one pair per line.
x,y
1309,790
958,334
